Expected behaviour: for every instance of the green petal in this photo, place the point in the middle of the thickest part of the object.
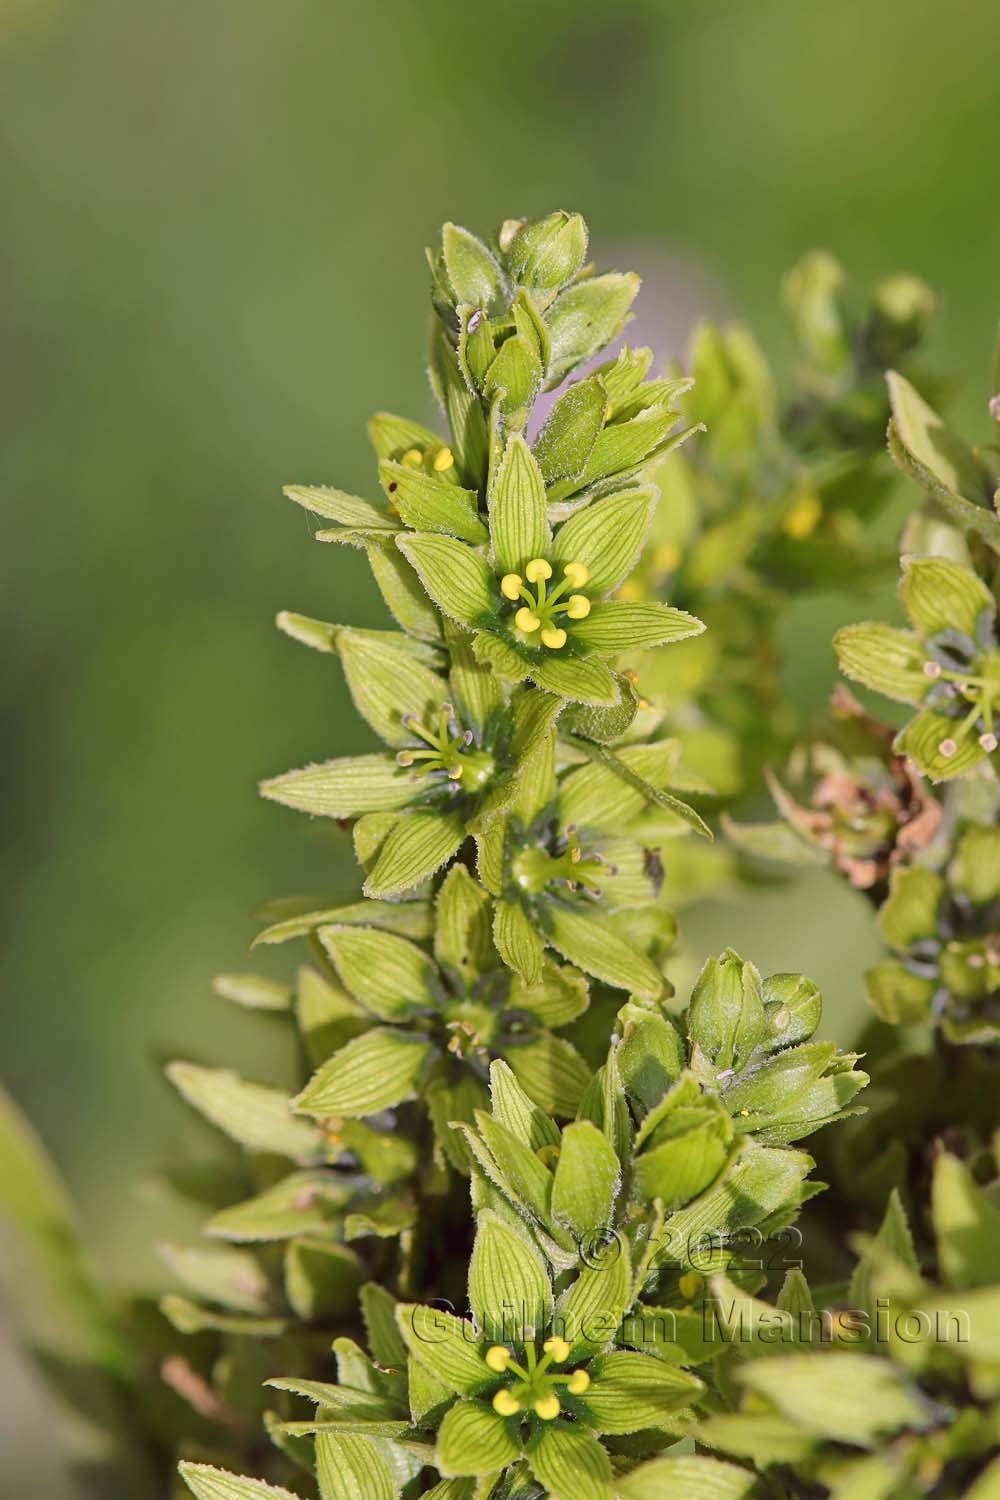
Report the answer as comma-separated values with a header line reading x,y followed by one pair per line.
x,y
509,1288
910,913
726,1017
585,317
518,522
929,451
897,996
456,577
685,1478
391,977
304,1202
462,933
389,675
975,869
475,688
417,846
629,1391
208,1483
551,1071
257,1117
849,1398
888,660
607,537
586,1183
596,949
373,1072
475,275
581,680
517,940
391,436
474,1439
569,1462
594,796
517,1111
626,445
402,590
939,594
343,788
446,1346
615,625
347,1466
346,510
431,504
593,1305
514,377
558,996
319,635
923,738
564,444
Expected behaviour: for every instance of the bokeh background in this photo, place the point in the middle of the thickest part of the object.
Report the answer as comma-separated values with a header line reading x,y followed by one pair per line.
x,y
214,215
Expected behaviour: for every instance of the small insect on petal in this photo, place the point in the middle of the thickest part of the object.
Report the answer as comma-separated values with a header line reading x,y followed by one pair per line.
x,y
538,569
526,621
577,573
553,638
578,606
510,585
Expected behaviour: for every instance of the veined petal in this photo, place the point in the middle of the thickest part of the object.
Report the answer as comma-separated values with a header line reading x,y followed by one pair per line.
x,y
607,537
615,625
518,523
418,845
455,575
343,788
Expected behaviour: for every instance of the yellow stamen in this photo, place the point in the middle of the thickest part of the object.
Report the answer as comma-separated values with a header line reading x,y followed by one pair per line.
x,y
537,569
553,638
413,457
526,621
546,1407
803,517
443,459
577,573
690,1284
557,1347
510,585
498,1358
507,1405
578,1382
578,607
548,1155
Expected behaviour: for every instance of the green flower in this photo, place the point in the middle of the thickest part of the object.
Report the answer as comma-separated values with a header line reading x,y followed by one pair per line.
x,y
944,928
538,605
948,664
433,1025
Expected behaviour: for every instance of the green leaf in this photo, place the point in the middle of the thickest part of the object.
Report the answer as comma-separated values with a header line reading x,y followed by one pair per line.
x,y
849,1398
940,750
253,991
343,788
474,1439
346,510
456,577
391,977
378,1308
678,1168
596,949
726,1017
348,1466
583,681
607,537
881,657
209,1483
628,1391
564,444
509,1289
897,996
793,1006
586,1183
528,1179
686,1478
763,1439
430,503
615,625
475,687
569,1462
893,1239
475,275
518,523
910,913
408,918
255,1116
373,1072
389,675
966,1225
518,942
585,317
813,294
446,1346
415,848
231,1277
939,594
550,1070
462,408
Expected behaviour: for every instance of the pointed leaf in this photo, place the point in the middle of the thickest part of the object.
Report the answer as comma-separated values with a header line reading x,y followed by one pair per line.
x,y
373,1072
430,503
569,1462
570,430
581,680
615,625
416,847
474,1439
551,1071
517,941
446,1346
343,788
456,577
686,1478
346,510
888,660
607,537
391,977
518,523
628,1391
586,1183
255,1116
509,1287
208,1483
597,949
389,675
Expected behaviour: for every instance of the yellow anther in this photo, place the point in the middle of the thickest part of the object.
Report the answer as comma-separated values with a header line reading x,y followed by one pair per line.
x,y
498,1358
575,855
630,591
577,573
526,621
690,1284
553,638
557,1347
413,457
548,1155
546,1407
443,459
578,606
666,558
538,569
578,1382
803,517
510,585
507,1405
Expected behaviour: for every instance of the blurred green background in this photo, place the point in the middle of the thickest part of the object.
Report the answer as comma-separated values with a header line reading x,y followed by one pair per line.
x,y
211,273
